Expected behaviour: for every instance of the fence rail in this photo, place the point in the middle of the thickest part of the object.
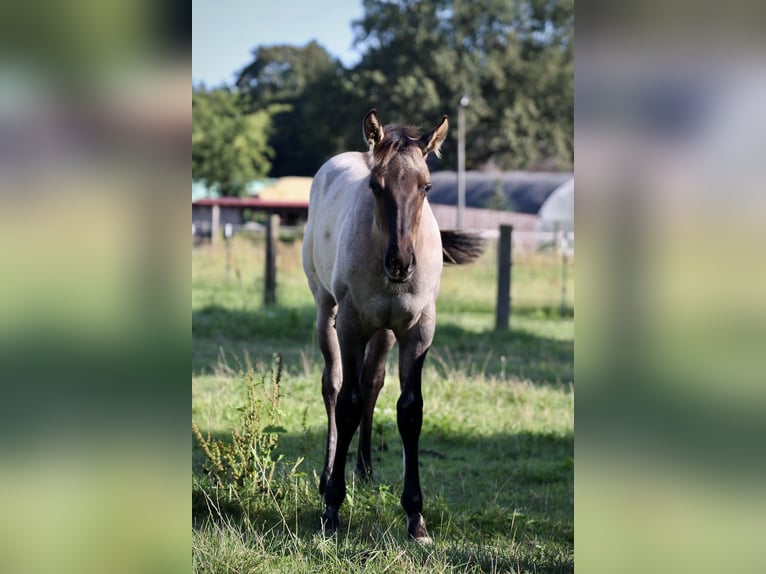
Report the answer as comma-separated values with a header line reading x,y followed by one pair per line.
x,y
541,266
541,271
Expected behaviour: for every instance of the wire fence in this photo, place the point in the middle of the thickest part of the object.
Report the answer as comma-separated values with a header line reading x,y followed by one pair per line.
x,y
541,272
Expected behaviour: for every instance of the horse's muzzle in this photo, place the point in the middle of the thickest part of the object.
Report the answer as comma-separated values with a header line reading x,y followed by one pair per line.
x,y
399,269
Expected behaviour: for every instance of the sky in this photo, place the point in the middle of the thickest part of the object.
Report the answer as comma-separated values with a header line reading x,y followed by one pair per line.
x,y
225,32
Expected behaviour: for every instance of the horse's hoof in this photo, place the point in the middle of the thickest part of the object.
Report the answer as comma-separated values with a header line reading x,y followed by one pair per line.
x,y
416,528
330,522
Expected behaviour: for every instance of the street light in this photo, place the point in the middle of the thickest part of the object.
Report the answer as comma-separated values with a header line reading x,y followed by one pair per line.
x,y
461,159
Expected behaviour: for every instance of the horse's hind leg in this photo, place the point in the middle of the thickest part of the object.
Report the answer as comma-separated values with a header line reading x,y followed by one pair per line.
x,y
373,376
331,376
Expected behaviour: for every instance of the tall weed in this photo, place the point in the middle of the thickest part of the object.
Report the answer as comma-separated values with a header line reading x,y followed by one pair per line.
x,y
244,466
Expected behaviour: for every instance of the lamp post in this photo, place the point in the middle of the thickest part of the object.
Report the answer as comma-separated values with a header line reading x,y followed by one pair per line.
x,y
461,159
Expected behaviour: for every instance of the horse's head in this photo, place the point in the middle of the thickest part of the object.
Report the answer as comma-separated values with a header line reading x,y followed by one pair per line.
x,y
400,182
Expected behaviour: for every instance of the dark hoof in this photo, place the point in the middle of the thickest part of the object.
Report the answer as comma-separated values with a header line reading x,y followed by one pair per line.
x,y
330,522
416,528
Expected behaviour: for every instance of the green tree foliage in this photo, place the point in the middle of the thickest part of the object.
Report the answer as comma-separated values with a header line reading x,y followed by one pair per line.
x,y
230,141
305,81
513,58
498,201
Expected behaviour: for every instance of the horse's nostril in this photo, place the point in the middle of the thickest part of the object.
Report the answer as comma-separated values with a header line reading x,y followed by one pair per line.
x,y
398,268
399,272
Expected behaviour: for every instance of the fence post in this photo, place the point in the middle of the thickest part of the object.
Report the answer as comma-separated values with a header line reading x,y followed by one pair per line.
x,y
504,262
270,282
228,231
215,223
564,263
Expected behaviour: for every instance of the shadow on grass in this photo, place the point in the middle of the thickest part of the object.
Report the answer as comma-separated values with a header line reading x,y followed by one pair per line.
x,y
232,336
505,353
264,331
276,322
502,502
553,312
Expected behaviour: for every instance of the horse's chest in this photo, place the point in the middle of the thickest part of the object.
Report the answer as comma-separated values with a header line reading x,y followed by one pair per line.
x,y
389,311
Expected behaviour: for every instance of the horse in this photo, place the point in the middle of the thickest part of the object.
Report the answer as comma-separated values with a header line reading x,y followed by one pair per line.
x,y
373,256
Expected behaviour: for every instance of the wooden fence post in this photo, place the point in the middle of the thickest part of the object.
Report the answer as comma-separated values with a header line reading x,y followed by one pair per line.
x,y
228,231
270,282
215,224
564,263
504,262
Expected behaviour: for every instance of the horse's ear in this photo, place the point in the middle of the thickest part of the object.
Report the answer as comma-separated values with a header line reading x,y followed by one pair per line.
x,y
432,141
372,129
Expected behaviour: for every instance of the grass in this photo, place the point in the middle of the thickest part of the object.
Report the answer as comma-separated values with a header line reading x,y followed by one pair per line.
x,y
496,447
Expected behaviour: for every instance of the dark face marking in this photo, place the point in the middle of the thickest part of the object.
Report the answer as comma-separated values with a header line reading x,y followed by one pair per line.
x,y
399,180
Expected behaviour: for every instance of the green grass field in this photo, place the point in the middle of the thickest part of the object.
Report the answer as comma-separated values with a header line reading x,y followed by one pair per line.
x,y
497,444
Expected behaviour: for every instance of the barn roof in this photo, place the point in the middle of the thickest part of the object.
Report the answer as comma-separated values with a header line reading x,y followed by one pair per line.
x,y
523,192
560,203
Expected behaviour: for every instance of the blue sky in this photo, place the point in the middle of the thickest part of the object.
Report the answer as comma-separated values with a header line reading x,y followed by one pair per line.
x,y
226,31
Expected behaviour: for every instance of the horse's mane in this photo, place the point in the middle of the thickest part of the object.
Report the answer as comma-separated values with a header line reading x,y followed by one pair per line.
x,y
397,138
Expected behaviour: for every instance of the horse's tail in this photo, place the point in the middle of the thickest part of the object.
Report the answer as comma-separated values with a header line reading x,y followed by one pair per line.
x,y
460,247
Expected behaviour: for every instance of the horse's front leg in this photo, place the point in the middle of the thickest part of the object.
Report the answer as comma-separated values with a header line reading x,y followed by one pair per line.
x,y
413,347
331,377
373,377
348,412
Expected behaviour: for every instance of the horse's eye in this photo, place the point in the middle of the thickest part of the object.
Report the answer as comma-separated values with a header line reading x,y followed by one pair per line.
x,y
427,189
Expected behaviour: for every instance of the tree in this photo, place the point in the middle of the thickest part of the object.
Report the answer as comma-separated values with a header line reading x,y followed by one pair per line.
x,y
229,140
283,72
306,83
498,201
514,59
406,70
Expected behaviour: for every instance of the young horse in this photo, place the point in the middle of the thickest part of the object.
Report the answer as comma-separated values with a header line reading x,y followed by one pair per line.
x,y
373,256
